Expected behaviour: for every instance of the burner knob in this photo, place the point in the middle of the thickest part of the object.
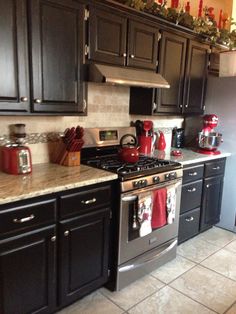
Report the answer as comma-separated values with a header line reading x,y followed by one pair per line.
x,y
155,179
144,182
136,184
167,176
173,175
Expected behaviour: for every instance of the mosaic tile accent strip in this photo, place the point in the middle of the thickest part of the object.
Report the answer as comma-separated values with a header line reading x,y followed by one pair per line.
x,y
33,138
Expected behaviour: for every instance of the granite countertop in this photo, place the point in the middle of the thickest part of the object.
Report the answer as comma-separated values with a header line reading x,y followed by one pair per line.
x,y
190,157
49,178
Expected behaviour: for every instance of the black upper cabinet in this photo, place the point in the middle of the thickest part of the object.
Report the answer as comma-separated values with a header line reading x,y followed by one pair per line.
x,y
57,34
183,63
117,40
14,80
142,45
196,77
171,67
107,36
27,273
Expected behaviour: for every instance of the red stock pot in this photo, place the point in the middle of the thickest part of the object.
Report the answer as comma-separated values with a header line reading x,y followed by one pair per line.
x,y
129,152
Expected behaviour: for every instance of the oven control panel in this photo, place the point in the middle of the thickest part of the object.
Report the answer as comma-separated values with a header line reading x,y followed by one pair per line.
x,y
151,180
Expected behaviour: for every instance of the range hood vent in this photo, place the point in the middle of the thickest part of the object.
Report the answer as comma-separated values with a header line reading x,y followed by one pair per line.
x,y
125,76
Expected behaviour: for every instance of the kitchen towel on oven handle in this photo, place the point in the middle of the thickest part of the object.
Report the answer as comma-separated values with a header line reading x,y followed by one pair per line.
x,y
171,204
159,207
145,213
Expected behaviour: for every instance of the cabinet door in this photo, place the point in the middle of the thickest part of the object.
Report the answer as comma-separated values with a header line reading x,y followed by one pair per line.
x,y
83,255
171,67
142,45
57,32
196,77
211,202
107,36
14,88
27,273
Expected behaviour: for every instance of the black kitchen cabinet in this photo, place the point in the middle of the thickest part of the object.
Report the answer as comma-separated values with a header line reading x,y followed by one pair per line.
x,y
190,205
211,202
172,68
28,257
107,36
196,77
201,197
27,273
14,78
56,51
116,40
83,257
183,63
212,193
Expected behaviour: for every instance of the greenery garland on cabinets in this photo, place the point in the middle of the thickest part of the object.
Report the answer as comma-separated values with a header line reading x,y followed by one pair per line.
x,y
204,25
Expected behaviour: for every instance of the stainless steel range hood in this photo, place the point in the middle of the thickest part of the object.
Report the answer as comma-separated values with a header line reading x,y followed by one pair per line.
x,y
126,76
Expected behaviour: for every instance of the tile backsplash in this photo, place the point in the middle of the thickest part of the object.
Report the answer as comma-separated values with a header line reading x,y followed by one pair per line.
x,y
107,106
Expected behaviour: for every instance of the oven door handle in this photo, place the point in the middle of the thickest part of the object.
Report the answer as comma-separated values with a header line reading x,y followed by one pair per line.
x,y
129,198
148,259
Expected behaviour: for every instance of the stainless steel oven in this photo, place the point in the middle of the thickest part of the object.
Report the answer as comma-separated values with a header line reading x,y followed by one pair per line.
x,y
147,188
139,255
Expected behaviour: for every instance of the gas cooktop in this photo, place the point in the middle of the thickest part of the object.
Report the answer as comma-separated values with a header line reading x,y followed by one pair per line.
x,y
145,166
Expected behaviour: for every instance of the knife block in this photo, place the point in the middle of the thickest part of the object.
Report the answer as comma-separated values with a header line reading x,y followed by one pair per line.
x,y
72,159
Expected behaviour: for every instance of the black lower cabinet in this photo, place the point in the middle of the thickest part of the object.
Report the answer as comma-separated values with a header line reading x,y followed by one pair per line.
x,y
211,201
83,254
28,273
189,224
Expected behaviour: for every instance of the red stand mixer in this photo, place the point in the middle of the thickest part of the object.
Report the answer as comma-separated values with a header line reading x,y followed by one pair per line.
x,y
208,139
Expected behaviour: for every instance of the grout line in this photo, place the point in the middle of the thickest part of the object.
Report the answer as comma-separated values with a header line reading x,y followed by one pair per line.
x,y
113,301
194,300
230,307
147,297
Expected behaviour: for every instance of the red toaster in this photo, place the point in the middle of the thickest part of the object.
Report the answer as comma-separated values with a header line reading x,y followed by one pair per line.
x,y
16,159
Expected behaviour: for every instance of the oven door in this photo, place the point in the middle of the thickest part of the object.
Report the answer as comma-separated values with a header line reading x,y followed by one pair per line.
x,y
131,243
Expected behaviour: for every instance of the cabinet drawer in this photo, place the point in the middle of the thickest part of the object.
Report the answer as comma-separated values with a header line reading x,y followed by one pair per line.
x,y
193,173
189,224
214,168
27,216
191,196
80,202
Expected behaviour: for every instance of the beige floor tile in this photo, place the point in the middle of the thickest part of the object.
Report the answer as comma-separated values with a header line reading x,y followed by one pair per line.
x,y
134,293
231,246
173,269
232,310
168,300
93,303
209,288
222,262
196,249
218,236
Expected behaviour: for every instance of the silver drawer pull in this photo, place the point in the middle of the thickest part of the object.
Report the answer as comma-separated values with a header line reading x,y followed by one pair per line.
x,y
192,190
216,168
22,220
93,200
188,219
192,174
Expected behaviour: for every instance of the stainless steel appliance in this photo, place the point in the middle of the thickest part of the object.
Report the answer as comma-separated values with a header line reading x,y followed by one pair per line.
x,y
139,244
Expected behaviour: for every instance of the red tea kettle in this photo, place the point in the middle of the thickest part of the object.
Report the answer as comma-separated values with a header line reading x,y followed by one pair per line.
x,y
129,152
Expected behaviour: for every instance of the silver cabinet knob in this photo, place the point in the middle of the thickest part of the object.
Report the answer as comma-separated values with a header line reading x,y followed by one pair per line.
x,y
24,99
53,239
132,56
124,55
38,101
66,233
207,186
